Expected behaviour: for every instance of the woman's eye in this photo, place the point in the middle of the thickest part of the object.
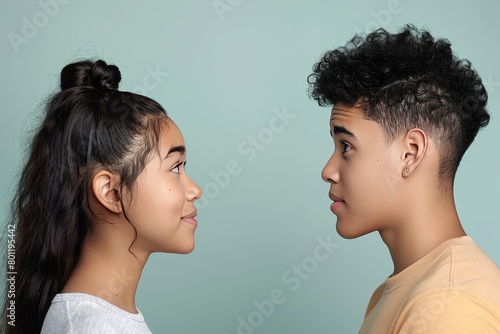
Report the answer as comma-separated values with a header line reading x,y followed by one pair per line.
x,y
177,168
347,147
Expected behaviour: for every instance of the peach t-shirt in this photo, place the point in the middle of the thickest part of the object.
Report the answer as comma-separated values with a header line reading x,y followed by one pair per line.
x,y
455,288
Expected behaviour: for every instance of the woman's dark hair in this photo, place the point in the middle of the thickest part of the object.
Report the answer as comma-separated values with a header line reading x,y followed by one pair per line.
x,y
407,80
88,125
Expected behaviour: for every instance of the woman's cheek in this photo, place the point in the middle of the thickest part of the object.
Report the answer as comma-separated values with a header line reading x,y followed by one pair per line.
x,y
175,197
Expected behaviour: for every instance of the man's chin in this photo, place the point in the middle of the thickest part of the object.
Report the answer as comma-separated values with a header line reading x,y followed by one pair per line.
x,y
348,231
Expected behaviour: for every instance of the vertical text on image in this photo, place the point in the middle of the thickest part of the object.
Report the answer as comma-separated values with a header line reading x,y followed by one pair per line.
x,y
11,275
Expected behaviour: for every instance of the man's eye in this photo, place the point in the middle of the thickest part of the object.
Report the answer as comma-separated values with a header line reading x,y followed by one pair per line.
x,y
347,147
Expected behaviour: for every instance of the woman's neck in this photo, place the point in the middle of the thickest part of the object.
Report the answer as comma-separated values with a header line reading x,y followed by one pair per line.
x,y
108,270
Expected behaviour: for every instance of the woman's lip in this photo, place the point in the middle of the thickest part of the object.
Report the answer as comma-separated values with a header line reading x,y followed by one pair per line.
x,y
191,220
191,215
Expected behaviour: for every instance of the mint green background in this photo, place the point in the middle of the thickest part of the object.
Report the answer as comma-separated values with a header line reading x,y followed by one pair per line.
x,y
225,78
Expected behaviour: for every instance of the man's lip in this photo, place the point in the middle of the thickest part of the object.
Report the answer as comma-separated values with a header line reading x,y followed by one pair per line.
x,y
334,198
191,215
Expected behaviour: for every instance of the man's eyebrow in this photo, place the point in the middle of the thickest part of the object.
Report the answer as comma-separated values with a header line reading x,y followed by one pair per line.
x,y
181,149
337,129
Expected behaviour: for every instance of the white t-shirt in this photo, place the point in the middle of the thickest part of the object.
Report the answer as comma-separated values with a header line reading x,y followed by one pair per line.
x,y
81,313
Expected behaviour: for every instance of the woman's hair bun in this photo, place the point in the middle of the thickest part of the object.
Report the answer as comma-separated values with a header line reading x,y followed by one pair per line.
x,y
97,74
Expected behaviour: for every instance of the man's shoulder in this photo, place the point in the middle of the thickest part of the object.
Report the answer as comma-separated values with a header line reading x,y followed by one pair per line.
x,y
450,311
463,262
458,293
462,267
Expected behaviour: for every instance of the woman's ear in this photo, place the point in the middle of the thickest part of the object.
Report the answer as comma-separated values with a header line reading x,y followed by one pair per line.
x,y
105,187
415,147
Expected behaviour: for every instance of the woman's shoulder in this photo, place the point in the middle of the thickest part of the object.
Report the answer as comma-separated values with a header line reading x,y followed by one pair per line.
x,y
84,313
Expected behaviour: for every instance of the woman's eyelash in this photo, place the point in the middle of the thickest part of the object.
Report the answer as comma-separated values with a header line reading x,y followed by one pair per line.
x,y
182,163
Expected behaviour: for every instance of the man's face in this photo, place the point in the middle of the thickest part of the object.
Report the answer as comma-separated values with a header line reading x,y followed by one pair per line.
x,y
363,173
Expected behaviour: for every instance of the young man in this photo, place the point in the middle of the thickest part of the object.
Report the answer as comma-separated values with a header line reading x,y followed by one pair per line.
x,y
405,110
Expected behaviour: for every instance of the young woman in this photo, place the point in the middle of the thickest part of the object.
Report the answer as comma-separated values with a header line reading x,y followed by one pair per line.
x,y
104,186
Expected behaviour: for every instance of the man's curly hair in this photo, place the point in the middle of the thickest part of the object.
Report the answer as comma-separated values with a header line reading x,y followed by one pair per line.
x,y
403,81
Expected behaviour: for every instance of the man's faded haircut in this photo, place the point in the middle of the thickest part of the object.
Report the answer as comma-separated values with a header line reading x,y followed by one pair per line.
x,y
407,80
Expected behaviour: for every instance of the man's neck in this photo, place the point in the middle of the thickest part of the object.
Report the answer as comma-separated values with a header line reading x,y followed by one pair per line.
x,y
425,228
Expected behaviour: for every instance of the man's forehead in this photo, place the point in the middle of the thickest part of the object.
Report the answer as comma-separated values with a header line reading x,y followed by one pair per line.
x,y
343,112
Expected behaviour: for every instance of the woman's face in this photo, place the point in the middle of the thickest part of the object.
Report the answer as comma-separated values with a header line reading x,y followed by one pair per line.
x,y
162,200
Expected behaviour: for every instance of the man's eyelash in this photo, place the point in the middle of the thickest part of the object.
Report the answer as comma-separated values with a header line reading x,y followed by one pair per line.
x,y
345,145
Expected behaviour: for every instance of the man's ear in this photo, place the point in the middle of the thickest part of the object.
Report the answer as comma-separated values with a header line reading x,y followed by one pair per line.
x,y
105,187
415,148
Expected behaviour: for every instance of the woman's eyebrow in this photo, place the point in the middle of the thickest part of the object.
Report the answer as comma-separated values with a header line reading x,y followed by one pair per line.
x,y
181,149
